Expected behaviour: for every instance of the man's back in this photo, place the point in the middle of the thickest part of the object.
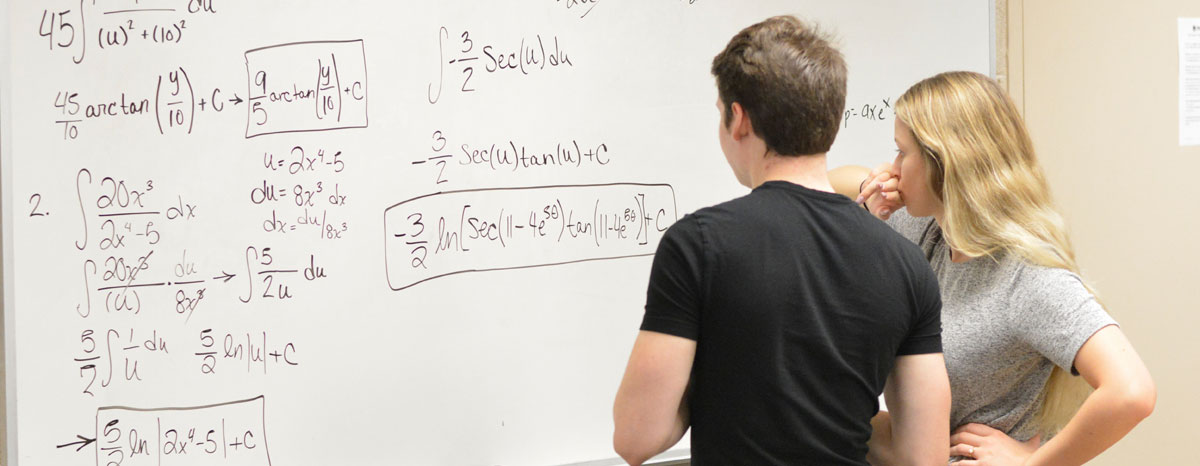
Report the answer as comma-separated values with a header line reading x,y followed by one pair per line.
x,y
799,302
774,321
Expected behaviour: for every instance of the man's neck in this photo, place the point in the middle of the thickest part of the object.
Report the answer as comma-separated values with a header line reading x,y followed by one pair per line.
x,y
809,171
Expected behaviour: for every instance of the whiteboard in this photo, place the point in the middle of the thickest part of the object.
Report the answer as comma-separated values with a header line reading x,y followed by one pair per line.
x,y
419,233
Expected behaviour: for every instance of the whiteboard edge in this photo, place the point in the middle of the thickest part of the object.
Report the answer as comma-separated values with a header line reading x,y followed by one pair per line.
x,y
680,456
9,446
992,29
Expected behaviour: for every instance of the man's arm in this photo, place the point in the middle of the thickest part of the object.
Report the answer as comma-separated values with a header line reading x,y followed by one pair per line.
x,y
650,412
918,419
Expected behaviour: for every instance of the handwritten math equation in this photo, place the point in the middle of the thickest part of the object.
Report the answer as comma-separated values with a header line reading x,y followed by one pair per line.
x,y
510,155
107,25
284,95
880,110
453,232
465,57
299,207
230,433
141,285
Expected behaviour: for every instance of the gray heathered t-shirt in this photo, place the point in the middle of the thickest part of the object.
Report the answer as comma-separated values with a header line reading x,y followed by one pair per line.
x,y
1004,323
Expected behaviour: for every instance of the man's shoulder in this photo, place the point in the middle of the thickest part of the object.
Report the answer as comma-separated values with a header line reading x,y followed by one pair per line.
x,y
886,235
762,204
724,213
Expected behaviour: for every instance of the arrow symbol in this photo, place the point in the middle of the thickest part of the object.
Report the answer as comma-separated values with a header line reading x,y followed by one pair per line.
x,y
226,277
236,100
83,442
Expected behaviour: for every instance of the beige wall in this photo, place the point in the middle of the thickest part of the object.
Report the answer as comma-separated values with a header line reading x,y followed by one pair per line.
x,y
1098,81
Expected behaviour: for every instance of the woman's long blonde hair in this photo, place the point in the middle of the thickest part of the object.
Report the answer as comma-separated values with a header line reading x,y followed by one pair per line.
x,y
981,164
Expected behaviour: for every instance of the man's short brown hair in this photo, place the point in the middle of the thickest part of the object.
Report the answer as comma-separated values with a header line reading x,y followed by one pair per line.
x,y
789,80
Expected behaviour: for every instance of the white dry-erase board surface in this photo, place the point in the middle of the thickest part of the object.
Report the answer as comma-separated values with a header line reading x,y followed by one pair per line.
x,y
367,232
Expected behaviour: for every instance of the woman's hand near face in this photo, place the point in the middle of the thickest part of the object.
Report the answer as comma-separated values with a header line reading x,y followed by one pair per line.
x,y
879,191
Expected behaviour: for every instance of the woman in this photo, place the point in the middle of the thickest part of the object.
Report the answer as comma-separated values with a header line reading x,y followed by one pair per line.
x,y
1017,319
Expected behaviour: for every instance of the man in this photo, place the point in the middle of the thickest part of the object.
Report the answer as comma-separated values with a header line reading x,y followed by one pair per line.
x,y
773,321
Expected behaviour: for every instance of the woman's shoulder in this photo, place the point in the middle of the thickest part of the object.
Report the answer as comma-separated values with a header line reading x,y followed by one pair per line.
x,y
1037,292
915,229
1052,310
1034,280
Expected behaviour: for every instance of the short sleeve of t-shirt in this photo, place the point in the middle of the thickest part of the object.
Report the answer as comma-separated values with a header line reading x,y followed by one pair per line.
x,y
676,280
926,334
1053,313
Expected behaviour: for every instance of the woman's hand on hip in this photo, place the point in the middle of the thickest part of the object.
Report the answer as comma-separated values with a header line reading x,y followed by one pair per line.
x,y
984,446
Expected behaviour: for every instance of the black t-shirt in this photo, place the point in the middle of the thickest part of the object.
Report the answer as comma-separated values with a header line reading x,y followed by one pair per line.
x,y
799,301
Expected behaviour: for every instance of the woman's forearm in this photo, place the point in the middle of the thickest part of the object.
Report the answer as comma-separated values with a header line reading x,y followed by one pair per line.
x,y
1107,415
847,179
879,451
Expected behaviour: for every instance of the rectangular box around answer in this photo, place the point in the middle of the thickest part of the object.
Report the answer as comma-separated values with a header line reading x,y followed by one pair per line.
x,y
306,86
483,230
225,434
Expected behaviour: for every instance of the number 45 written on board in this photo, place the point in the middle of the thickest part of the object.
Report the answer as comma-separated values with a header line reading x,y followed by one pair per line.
x,y
60,32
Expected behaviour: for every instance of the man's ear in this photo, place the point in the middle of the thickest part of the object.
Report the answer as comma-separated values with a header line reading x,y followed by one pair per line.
x,y
739,122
